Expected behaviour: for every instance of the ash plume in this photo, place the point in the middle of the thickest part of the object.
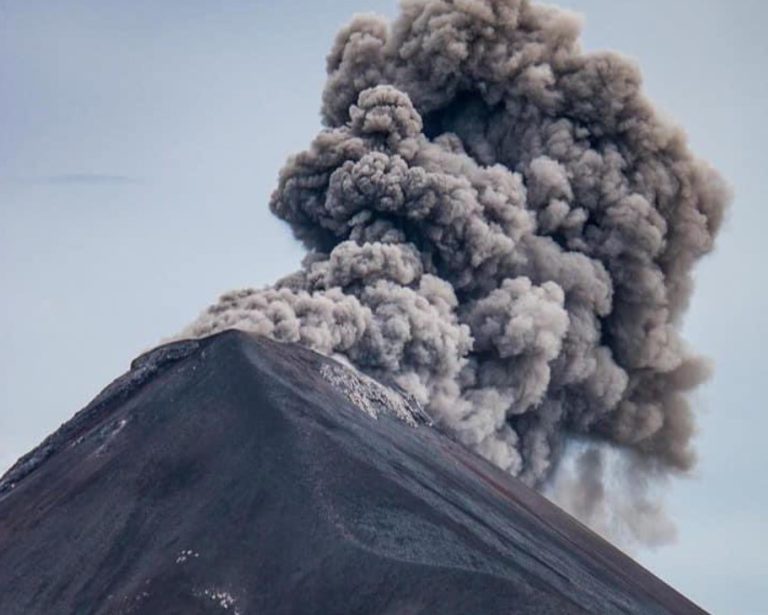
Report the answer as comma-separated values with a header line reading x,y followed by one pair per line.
x,y
503,225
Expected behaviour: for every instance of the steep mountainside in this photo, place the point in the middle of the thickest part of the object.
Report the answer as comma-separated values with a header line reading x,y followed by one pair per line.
x,y
238,475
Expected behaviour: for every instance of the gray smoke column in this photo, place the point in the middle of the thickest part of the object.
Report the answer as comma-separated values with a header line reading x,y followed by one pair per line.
x,y
502,225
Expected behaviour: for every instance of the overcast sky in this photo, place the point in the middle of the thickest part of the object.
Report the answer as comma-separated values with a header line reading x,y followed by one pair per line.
x,y
140,143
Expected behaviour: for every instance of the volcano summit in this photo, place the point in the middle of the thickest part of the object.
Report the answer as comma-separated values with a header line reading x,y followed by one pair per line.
x,y
242,475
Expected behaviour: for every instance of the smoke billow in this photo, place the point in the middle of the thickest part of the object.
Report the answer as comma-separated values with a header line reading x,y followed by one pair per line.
x,y
503,225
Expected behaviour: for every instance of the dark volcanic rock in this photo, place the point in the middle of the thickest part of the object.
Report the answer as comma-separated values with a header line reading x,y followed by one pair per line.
x,y
235,475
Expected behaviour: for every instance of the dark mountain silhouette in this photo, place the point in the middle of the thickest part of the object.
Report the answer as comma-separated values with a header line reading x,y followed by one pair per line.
x,y
238,475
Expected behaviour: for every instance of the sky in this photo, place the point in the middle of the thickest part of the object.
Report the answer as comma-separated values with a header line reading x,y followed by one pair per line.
x,y
140,144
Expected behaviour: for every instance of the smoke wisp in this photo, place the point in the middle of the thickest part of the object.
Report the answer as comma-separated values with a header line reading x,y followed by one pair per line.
x,y
504,226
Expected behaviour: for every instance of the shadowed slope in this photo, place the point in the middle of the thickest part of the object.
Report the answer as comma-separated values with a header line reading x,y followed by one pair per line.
x,y
233,474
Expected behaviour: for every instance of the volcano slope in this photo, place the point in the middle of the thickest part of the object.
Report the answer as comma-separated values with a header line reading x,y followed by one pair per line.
x,y
235,474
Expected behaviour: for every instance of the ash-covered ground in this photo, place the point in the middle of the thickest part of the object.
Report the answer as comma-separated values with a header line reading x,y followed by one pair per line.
x,y
235,474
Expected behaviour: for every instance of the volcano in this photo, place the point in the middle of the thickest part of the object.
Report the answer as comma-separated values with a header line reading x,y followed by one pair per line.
x,y
235,474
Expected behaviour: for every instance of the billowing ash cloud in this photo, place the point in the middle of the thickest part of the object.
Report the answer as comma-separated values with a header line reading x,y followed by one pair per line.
x,y
504,226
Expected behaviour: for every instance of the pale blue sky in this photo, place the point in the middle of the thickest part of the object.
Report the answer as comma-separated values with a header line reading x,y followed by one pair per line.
x,y
140,143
